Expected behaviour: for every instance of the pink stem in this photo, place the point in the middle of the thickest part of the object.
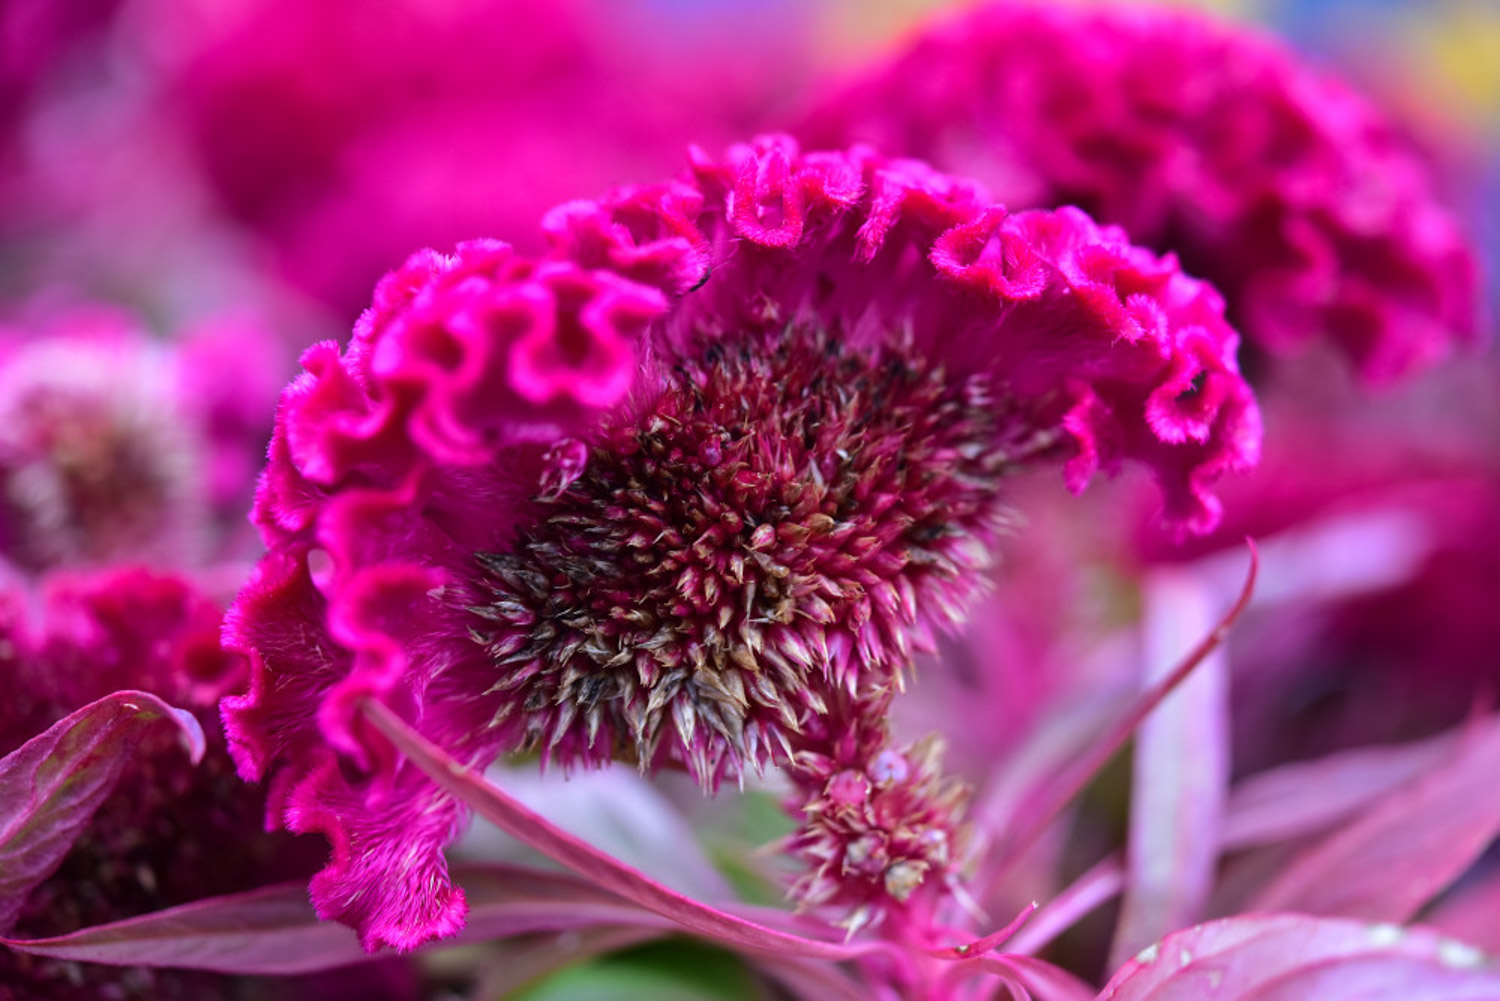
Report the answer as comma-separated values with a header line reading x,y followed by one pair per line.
x,y
1065,789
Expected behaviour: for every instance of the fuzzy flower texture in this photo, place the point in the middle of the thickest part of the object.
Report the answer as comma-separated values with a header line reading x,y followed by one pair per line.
x,y
690,489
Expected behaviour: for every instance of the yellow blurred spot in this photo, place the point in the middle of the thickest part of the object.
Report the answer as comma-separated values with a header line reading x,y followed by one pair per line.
x,y
854,30
1458,43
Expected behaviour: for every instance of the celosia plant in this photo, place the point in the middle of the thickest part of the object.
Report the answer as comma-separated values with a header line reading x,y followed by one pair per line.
x,y
96,463
733,489
689,490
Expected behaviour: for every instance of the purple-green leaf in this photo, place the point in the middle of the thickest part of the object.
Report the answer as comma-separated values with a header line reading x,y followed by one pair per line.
x,y
269,930
1310,796
1392,859
274,930
510,965
618,811
1290,957
1471,913
51,785
811,980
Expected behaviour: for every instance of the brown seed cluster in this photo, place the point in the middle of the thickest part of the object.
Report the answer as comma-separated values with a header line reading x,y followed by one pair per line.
x,y
788,517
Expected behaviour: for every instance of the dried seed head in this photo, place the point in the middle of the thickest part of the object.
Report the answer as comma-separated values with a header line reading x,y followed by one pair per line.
x,y
788,518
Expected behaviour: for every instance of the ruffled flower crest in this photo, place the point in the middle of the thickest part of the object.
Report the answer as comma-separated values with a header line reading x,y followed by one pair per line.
x,y
730,449
1298,198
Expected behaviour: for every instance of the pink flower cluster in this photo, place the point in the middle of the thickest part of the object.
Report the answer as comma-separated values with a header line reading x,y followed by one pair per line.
x,y
1296,197
882,824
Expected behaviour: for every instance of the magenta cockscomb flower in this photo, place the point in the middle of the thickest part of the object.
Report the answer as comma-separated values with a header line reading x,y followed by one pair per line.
x,y
473,124
732,449
789,515
1296,197
118,821
118,449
